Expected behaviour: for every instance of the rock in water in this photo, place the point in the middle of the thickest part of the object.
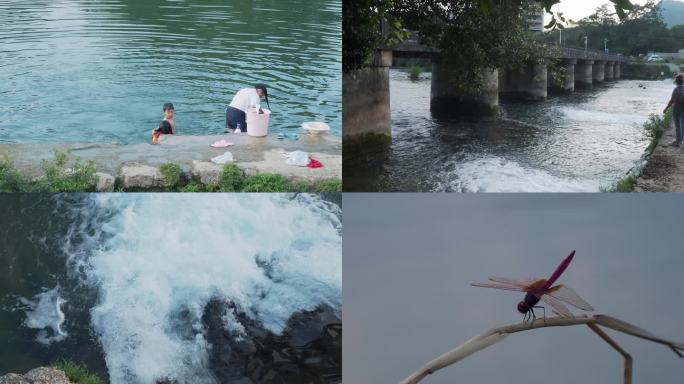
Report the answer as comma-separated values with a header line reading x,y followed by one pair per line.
x,y
308,351
41,375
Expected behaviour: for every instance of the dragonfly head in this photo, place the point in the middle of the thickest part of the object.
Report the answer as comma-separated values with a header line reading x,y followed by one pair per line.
x,y
523,307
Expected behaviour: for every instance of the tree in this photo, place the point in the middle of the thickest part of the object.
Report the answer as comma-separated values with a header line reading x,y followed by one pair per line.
x,y
477,29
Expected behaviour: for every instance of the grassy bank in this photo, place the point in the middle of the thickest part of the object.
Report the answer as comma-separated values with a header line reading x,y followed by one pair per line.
x,y
654,127
68,174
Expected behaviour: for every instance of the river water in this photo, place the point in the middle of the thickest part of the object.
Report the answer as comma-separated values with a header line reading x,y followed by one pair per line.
x,y
100,71
578,142
120,282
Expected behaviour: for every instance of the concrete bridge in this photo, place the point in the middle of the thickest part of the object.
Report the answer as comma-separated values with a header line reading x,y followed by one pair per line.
x,y
574,68
366,92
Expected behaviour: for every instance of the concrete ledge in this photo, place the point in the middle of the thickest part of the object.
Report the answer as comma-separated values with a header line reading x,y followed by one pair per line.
x,y
141,176
137,165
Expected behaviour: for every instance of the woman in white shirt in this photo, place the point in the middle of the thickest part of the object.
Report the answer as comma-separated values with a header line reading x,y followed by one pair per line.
x,y
243,100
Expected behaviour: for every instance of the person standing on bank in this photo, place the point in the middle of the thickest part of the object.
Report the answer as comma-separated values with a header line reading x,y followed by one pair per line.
x,y
244,99
677,104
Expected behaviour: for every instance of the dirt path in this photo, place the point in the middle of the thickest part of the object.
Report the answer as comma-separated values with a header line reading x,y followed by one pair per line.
x,y
664,171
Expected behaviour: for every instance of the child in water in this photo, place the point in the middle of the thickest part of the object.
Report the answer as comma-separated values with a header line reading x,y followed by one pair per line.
x,y
167,126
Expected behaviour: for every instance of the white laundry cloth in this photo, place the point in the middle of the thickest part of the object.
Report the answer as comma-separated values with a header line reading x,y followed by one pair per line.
x,y
222,159
299,158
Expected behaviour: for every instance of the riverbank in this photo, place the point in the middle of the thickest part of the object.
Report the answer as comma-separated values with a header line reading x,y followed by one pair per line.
x,y
664,171
141,165
649,71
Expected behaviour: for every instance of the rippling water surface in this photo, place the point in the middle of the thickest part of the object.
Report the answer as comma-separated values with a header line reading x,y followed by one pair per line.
x,y
101,70
578,142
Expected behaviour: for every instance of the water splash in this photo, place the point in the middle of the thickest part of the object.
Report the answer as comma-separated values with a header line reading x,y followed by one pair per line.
x,y
496,174
45,313
157,260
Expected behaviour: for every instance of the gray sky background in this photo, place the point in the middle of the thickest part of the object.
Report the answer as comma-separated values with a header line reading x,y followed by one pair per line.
x,y
577,9
409,260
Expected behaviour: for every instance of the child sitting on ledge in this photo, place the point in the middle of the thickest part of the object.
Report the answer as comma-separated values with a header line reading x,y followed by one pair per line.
x,y
166,127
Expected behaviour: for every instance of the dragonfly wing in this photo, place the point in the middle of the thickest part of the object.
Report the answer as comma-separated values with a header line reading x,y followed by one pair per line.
x,y
559,307
507,287
567,295
522,283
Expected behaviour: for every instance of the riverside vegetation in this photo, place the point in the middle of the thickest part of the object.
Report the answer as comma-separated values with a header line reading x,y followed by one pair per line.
x,y
654,127
65,174
76,373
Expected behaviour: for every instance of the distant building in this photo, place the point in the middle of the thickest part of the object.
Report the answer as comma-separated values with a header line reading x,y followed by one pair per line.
x,y
536,19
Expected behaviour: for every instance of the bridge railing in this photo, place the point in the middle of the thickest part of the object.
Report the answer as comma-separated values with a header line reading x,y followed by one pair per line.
x,y
581,53
412,44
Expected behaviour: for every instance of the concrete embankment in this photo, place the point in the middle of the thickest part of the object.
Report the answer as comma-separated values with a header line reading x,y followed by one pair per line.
x,y
664,171
136,165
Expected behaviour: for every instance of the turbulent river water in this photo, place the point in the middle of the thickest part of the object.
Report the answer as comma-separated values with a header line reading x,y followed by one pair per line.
x,y
123,284
578,142
94,71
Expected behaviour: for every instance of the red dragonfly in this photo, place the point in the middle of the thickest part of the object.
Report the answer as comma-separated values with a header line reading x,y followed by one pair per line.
x,y
541,289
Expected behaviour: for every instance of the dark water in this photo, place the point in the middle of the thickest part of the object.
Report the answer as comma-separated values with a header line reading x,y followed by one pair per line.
x,y
101,70
579,142
138,290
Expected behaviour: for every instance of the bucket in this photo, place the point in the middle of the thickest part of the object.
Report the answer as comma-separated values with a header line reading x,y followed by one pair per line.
x,y
257,123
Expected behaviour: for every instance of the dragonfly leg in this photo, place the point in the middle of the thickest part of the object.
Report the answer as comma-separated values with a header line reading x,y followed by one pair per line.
x,y
544,311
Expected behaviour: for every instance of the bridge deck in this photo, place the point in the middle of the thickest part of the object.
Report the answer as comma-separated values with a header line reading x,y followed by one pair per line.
x,y
413,47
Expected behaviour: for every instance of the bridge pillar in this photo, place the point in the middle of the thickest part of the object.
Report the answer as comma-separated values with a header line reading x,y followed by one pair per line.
x,y
561,77
617,70
446,98
599,71
366,99
609,74
528,83
583,74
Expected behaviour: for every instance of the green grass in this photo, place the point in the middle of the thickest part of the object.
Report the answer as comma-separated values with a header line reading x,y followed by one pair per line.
x,y
76,373
330,185
626,184
171,174
655,127
10,178
266,182
61,174
233,179
65,174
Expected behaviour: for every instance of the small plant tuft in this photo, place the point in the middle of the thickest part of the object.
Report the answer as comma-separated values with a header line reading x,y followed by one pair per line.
x,y
655,127
76,373
10,178
171,174
60,176
414,72
233,178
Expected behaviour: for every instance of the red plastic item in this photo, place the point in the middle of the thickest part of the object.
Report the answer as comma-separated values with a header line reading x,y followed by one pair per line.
x,y
314,163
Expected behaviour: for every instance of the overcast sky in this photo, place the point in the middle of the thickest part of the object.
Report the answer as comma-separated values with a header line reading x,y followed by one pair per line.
x,y
409,260
577,9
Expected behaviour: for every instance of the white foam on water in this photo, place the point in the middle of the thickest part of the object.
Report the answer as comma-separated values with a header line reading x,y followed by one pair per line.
x,y
162,257
582,114
45,313
496,174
